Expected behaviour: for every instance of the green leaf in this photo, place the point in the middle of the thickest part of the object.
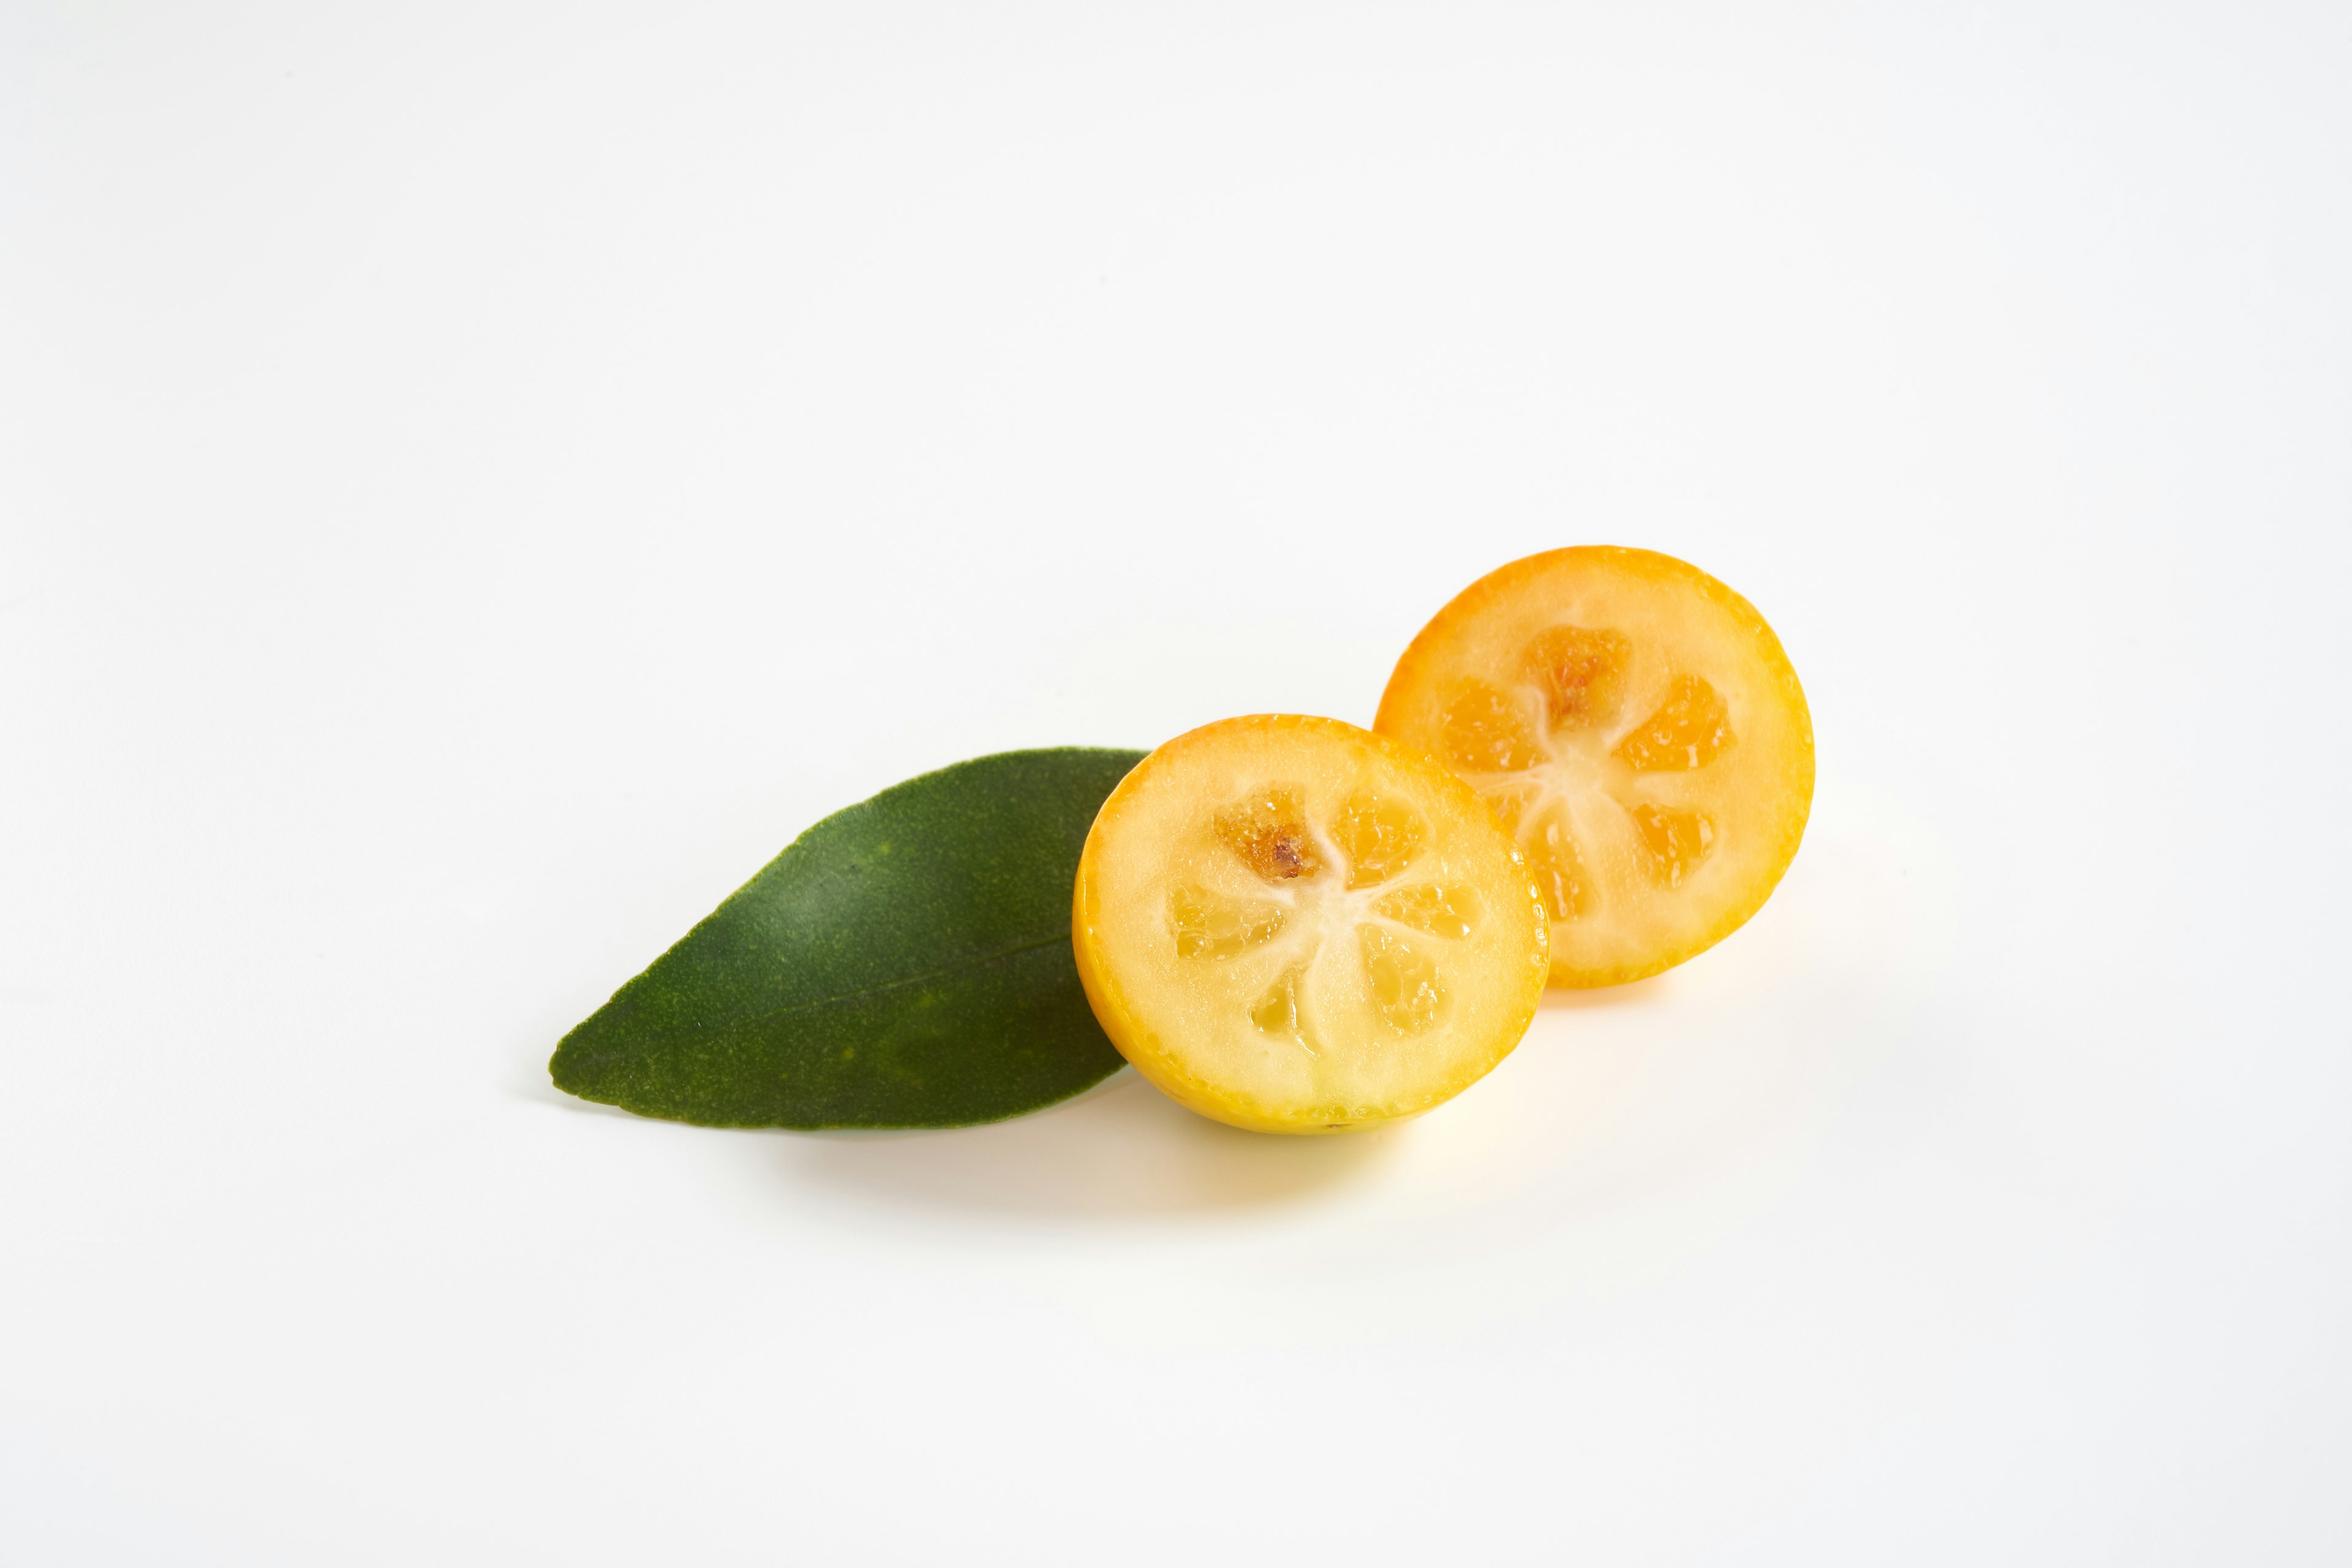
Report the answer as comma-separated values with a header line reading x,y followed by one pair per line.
x,y
905,963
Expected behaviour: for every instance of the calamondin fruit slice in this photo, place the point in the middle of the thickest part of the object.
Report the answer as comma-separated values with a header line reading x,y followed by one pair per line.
x,y
1295,925
1639,732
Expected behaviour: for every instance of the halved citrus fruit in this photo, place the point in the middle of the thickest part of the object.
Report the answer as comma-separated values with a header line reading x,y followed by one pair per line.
x,y
1638,730
1295,925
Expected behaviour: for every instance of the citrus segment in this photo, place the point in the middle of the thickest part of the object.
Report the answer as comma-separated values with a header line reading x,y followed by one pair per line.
x,y
1403,979
1677,840
1637,728
1211,925
1689,729
1482,731
1295,925
1277,1012
1561,881
1447,911
1379,838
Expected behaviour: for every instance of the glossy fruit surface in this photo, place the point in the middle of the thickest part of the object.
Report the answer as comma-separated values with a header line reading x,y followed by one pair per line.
x,y
1638,730
1295,925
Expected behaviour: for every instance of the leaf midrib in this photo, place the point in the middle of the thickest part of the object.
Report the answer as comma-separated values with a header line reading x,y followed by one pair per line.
x,y
959,966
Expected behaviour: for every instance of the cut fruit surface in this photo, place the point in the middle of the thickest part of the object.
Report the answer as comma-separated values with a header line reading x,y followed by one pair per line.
x,y
1295,925
1638,730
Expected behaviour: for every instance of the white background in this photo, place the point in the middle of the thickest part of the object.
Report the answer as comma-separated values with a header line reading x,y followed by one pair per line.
x,y
475,479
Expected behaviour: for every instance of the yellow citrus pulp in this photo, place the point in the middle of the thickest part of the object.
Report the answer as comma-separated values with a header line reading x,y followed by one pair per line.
x,y
1638,730
1295,925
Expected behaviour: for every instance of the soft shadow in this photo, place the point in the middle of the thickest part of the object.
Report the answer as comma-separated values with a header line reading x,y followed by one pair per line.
x,y
1653,992
548,1094
1120,1150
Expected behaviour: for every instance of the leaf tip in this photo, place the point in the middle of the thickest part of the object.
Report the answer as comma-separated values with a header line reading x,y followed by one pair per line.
x,y
574,1069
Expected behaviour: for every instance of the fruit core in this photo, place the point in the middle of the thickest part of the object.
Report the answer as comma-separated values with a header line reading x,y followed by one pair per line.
x,y
1338,890
1556,745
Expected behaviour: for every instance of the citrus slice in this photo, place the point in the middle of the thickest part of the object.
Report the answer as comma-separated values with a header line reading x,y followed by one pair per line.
x,y
1295,925
1640,732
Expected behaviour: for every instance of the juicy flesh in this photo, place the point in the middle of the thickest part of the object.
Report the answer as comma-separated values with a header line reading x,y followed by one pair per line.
x,y
1353,871
1689,730
1542,757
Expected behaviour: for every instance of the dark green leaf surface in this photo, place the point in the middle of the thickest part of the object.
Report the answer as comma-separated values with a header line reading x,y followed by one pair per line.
x,y
905,963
